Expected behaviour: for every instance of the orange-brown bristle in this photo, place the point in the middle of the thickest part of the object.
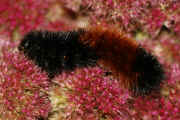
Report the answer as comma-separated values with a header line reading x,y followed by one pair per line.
x,y
116,51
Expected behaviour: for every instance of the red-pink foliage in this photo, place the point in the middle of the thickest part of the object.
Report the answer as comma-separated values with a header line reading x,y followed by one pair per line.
x,y
133,15
22,15
93,93
23,88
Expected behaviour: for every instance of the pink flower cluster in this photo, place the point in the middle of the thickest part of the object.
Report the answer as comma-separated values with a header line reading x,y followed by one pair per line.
x,y
133,15
93,93
22,15
23,88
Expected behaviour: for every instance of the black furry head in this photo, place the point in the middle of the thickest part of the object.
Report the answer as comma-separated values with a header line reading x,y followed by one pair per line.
x,y
150,72
56,51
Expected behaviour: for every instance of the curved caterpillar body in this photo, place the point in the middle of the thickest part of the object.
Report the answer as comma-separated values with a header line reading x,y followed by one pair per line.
x,y
55,52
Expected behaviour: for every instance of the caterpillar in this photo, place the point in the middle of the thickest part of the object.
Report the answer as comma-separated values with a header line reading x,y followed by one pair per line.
x,y
55,52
